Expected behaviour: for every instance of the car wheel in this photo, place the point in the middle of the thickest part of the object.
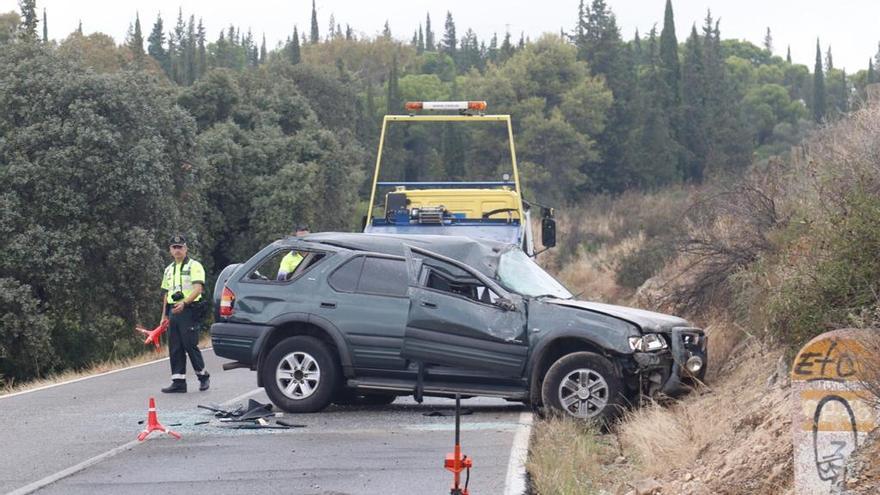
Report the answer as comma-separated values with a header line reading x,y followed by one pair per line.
x,y
300,374
583,385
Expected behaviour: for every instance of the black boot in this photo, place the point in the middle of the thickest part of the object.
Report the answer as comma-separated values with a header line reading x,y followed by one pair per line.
x,y
177,386
204,381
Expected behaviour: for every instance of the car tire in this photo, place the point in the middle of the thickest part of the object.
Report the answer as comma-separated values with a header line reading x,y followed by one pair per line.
x,y
300,374
583,385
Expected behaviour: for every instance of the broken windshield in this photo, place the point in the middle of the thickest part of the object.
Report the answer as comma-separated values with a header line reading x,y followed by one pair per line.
x,y
519,273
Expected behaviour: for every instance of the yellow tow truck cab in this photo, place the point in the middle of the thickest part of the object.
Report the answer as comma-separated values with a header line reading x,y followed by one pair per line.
x,y
492,210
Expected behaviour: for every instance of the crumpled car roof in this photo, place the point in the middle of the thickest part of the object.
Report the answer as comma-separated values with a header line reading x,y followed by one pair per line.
x,y
480,254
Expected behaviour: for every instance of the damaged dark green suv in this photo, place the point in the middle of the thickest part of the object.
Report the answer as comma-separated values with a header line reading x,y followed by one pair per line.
x,y
373,316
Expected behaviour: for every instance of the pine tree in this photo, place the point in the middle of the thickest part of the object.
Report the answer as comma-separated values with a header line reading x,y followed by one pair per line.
x,y
189,52
136,41
420,42
768,41
177,48
263,50
818,87
156,45
414,42
522,41
386,31
349,33
294,54
492,51
45,28
315,37
79,28
429,35
28,27
449,40
331,30
788,54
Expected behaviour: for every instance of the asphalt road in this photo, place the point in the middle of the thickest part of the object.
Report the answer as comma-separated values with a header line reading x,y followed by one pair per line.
x,y
80,436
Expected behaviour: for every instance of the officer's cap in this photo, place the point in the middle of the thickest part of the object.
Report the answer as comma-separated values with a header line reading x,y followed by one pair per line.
x,y
177,239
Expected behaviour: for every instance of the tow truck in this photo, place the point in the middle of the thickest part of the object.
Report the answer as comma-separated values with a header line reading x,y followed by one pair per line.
x,y
492,210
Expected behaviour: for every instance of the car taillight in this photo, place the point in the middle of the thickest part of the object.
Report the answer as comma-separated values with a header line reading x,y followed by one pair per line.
x,y
227,299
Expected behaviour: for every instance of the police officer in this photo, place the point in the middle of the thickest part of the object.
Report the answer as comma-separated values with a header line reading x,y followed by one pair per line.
x,y
292,259
182,287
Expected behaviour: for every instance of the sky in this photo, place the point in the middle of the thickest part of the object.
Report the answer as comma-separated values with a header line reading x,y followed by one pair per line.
x,y
849,26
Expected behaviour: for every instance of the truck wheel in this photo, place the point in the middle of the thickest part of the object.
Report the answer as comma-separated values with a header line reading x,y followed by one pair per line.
x,y
300,374
583,385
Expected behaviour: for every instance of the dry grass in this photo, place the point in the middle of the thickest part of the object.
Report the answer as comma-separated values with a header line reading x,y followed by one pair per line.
x,y
96,369
566,457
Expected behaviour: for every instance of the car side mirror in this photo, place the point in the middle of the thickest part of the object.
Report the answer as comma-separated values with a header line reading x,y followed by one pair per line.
x,y
548,231
505,304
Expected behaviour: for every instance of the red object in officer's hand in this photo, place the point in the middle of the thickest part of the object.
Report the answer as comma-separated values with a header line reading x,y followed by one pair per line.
x,y
154,334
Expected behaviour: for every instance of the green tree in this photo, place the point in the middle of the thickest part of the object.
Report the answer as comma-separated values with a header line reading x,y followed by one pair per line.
x,y
135,41
45,28
694,90
449,41
429,34
28,29
156,46
669,64
315,36
818,87
293,48
8,26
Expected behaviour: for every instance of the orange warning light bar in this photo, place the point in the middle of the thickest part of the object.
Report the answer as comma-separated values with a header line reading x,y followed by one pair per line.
x,y
446,105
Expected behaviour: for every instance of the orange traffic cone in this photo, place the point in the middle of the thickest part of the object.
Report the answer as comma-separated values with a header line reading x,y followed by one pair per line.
x,y
153,423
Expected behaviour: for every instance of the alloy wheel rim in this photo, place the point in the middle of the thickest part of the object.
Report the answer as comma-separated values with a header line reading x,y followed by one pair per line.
x,y
583,393
298,375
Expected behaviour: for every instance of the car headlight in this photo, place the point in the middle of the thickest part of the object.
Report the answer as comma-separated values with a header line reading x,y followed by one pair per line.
x,y
647,343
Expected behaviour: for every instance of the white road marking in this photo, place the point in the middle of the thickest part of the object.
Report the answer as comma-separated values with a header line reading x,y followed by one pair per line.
x,y
68,382
515,481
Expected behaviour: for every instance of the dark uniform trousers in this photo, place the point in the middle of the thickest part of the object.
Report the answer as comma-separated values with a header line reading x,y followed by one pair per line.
x,y
183,340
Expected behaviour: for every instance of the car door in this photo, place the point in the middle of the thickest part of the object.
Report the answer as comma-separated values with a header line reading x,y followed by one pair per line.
x,y
460,318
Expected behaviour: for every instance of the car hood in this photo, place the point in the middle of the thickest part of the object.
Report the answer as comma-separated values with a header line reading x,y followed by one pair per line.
x,y
648,321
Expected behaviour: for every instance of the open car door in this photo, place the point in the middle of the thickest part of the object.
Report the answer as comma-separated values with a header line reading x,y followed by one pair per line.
x,y
460,318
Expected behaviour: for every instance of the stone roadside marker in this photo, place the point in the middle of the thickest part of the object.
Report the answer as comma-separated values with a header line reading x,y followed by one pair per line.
x,y
830,413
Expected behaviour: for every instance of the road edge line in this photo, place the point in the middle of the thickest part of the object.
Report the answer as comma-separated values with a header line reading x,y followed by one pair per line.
x,y
82,378
515,481
64,473
52,478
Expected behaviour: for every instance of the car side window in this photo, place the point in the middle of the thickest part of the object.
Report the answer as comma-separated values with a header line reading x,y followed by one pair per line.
x,y
383,276
283,266
448,278
345,278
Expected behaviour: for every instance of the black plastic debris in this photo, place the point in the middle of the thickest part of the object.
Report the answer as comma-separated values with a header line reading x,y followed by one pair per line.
x,y
447,412
197,423
219,412
288,424
256,410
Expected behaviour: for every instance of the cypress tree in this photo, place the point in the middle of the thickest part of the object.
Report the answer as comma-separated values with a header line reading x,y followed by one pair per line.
x,y
768,41
669,65
414,42
844,93
294,48
156,45
314,35
420,42
506,48
136,42
349,33
693,88
872,77
189,52
429,35
263,50
79,28
386,31
522,41
788,54
829,60
45,28
202,59
392,101
818,87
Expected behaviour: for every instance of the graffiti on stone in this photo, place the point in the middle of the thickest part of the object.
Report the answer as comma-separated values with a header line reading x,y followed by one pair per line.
x,y
830,413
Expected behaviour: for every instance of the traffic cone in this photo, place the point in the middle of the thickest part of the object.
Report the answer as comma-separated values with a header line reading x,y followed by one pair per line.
x,y
153,423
